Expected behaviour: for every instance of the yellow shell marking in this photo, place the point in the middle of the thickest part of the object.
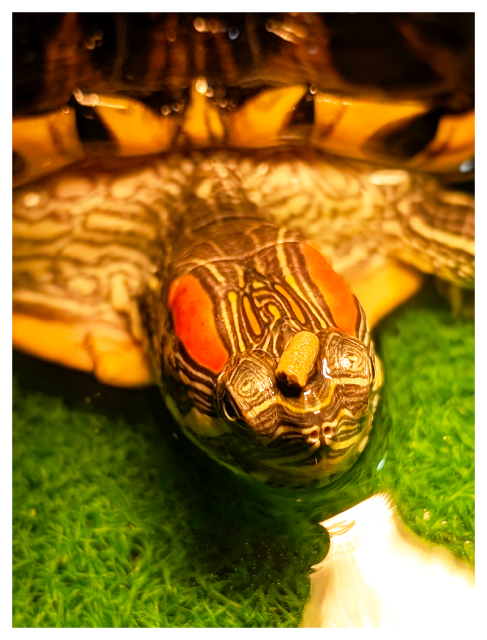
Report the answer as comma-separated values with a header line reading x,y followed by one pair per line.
x,y
136,128
202,121
260,120
48,141
344,124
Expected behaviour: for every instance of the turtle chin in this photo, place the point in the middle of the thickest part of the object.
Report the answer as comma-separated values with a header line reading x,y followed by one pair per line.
x,y
307,465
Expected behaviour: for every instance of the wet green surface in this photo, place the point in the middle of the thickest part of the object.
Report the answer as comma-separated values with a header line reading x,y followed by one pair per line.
x,y
119,521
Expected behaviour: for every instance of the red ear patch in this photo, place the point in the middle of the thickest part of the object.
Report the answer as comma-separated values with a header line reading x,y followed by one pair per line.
x,y
194,323
337,295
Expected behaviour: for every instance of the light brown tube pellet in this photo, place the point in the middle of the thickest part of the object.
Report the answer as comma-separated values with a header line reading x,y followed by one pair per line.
x,y
298,359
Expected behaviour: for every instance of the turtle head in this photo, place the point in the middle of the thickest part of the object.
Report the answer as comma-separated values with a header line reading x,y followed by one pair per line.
x,y
303,414
270,383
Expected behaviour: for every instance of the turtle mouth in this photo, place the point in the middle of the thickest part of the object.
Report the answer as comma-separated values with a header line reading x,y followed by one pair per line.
x,y
311,458
308,458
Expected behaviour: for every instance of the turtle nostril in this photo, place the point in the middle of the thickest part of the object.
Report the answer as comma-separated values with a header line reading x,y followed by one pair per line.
x,y
314,435
328,435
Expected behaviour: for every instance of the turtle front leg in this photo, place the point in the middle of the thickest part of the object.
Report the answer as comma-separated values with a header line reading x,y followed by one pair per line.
x,y
86,254
385,287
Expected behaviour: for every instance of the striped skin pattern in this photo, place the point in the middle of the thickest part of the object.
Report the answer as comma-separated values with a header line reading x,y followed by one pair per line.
x,y
203,264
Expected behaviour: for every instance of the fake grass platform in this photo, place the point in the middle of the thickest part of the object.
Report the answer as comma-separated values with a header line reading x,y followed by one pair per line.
x,y
119,522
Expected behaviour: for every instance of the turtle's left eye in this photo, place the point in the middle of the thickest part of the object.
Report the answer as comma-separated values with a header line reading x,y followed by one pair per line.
x,y
229,409
246,392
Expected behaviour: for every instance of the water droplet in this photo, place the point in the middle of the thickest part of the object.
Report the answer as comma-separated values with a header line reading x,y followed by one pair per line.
x,y
233,33
31,199
326,369
78,94
381,464
165,110
200,25
444,522
171,35
214,26
426,515
467,166
201,85
86,99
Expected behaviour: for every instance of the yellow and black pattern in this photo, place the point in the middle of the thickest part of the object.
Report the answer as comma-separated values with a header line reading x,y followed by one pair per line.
x,y
92,125
249,81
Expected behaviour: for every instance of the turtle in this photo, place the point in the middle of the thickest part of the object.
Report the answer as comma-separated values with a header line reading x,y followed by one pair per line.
x,y
225,205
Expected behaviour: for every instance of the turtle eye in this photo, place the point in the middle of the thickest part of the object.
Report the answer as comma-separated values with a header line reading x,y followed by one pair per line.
x,y
348,363
246,393
229,409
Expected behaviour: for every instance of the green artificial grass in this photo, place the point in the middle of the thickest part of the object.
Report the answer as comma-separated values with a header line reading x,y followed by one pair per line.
x,y
119,522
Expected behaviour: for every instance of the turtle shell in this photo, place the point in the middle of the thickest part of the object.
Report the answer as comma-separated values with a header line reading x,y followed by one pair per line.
x,y
400,56
397,89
